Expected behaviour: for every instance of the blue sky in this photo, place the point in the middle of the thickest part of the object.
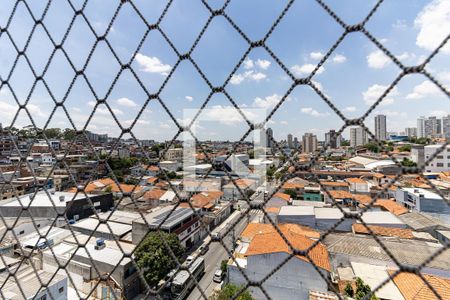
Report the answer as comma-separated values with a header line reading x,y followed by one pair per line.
x,y
353,77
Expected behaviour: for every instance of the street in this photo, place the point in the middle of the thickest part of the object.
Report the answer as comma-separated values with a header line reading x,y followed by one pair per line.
x,y
214,257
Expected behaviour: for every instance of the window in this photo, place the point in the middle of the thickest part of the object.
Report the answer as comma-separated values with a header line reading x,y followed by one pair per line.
x,y
439,164
22,232
61,289
440,157
44,297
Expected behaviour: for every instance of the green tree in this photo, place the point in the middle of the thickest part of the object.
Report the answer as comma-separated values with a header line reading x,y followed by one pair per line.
x,y
349,290
228,291
405,148
52,133
69,134
291,193
406,162
362,290
224,266
345,143
372,147
154,258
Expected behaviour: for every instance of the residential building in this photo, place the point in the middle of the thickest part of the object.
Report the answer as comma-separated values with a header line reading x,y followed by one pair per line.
x,y
421,127
358,185
441,162
411,131
263,250
418,154
296,143
309,143
174,154
333,139
432,127
290,142
279,200
46,204
358,137
182,221
268,138
380,127
446,127
422,200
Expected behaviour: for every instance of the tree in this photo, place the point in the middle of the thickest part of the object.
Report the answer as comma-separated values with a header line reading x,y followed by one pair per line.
x,y
345,143
224,266
372,147
405,148
229,291
406,162
362,290
349,290
154,257
52,133
291,193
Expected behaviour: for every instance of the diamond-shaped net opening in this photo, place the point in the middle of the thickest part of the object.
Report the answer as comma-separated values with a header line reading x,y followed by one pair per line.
x,y
152,150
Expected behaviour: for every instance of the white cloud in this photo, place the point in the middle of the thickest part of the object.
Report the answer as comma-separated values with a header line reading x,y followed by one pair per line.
x,y
305,69
391,113
237,79
312,112
75,109
339,59
105,111
400,24
377,60
316,55
444,76
374,92
404,55
263,64
424,89
91,103
349,108
189,98
248,64
251,75
284,122
269,101
164,125
433,23
227,115
126,102
152,64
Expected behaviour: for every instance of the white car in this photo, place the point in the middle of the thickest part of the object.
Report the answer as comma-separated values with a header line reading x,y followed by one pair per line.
x,y
218,275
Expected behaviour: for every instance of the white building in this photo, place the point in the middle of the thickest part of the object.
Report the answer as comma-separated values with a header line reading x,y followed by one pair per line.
x,y
358,136
174,154
380,127
441,163
422,200
309,143
446,127
411,131
421,127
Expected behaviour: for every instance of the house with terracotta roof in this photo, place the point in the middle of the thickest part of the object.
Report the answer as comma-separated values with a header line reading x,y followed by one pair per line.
x,y
412,287
358,185
278,200
264,249
335,185
144,170
232,191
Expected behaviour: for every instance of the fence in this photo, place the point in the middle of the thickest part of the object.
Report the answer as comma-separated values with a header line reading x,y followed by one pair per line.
x,y
75,12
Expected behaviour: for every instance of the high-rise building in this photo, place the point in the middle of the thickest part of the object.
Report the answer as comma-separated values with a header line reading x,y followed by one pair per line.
x,y
269,138
380,127
309,143
333,139
446,127
296,143
431,127
411,131
358,136
289,141
421,127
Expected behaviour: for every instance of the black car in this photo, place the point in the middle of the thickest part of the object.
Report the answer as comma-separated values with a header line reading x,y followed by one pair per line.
x,y
203,249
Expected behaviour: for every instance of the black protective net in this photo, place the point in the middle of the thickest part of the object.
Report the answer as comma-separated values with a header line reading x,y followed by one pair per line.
x,y
110,275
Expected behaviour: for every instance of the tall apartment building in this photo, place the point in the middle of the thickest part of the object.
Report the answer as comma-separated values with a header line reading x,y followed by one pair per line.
x,y
441,163
289,141
421,127
333,139
446,127
380,127
411,131
296,143
358,136
309,143
269,137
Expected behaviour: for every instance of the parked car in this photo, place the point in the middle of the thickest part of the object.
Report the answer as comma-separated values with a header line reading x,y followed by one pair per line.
x,y
218,276
203,249
189,259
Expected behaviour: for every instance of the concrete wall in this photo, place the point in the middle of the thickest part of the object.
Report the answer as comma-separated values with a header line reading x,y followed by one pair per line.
x,y
292,281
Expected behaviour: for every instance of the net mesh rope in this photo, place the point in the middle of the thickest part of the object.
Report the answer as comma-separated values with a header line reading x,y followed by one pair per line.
x,y
77,13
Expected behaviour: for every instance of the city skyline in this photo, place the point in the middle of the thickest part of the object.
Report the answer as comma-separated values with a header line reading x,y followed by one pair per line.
x,y
259,81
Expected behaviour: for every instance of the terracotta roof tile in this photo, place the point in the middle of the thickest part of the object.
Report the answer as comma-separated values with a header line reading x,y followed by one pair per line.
x,y
355,180
293,185
341,194
256,228
392,206
202,199
282,196
274,210
383,231
154,194
413,287
272,242
334,183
